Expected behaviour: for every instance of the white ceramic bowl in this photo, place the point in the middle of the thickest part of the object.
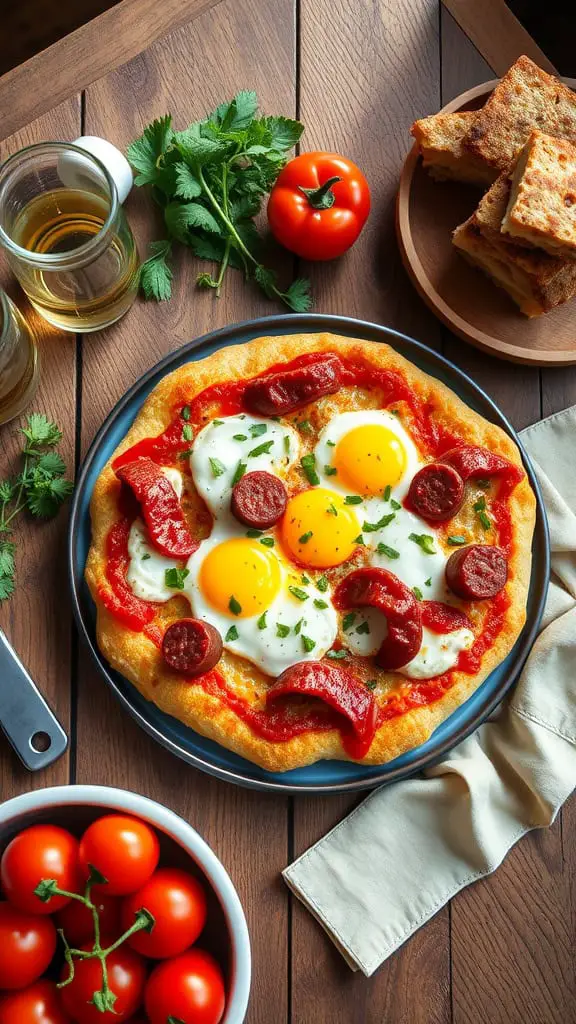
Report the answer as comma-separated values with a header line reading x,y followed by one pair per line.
x,y
74,807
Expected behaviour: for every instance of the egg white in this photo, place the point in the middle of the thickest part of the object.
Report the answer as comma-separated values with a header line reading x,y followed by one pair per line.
x,y
438,653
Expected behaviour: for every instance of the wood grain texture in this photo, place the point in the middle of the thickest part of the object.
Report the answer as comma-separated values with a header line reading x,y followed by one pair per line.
x,y
496,33
38,626
188,73
78,59
367,71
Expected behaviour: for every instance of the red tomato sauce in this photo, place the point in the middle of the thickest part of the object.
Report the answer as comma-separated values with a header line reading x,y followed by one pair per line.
x,y
281,723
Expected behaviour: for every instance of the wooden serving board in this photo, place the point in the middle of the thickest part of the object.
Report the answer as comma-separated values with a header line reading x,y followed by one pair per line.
x,y
427,212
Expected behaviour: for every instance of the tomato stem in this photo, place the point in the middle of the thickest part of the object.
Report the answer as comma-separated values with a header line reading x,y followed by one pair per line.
x,y
321,198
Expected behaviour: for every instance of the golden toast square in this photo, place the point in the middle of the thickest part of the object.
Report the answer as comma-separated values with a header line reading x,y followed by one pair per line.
x,y
440,139
542,205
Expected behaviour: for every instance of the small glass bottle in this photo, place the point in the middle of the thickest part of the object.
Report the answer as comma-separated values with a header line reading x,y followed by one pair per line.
x,y
19,364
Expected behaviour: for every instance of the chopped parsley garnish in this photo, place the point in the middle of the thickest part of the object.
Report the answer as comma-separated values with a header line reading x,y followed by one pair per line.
x,y
424,541
185,453
257,429
337,655
383,549
304,425
299,593
232,634
417,593
253,532
187,432
360,540
282,630
455,540
308,644
480,507
384,521
353,499
363,628
305,537
322,584
240,470
331,444
330,470
174,578
485,520
305,579
332,510
234,605
262,621
395,504
319,603
308,463
217,467
217,423
298,626
371,684
348,621
387,492
240,437
262,449
428,582
287,443
185,414
145,557
268,542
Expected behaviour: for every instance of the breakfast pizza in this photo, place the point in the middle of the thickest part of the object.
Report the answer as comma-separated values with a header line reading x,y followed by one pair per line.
x,y
307,548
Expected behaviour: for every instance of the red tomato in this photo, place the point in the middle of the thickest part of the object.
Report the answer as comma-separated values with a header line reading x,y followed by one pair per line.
x,y
41,851
125,850
38,1004
189,988
78,924
319,205
177,902
27,945
126,977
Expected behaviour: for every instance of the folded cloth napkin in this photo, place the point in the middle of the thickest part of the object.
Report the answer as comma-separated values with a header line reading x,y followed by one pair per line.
x,y
409,847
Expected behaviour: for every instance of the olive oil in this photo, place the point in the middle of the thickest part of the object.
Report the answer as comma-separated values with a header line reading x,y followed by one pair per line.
x,y
86,273
18,361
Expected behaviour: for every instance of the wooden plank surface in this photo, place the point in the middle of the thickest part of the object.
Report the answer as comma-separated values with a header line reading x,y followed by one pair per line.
x,y
503,952
496,32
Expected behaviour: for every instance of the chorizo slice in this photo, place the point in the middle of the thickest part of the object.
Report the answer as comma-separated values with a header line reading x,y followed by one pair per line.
x,y
471,460
259,499
477,572
378,588
287,390
191,646
338,688
436,492
160,507
443,618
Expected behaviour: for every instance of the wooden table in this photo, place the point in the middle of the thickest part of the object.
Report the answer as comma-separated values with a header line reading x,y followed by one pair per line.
x,y
357,73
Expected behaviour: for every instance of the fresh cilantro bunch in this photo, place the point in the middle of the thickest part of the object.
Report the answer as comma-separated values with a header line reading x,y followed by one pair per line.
x,y
209,181
40,488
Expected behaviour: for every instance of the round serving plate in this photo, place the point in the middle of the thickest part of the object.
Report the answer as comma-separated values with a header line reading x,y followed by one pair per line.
x,y
427,212
324,776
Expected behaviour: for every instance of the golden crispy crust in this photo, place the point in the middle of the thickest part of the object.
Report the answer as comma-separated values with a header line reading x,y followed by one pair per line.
x,y
138,659
440,139
542,205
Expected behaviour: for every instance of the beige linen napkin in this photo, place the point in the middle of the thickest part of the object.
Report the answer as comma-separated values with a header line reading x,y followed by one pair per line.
x,y
409,847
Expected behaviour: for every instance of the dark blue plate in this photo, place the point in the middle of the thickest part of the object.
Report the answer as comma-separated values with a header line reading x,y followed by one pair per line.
x,y
325,776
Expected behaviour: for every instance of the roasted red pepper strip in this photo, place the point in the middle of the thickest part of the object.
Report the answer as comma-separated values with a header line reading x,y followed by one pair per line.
x,y
276,394
160,508
443,618
472,461
120,601
381,589
337,687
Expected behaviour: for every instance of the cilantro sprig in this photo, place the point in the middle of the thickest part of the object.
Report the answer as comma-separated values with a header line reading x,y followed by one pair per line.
x,y
39,489
209,180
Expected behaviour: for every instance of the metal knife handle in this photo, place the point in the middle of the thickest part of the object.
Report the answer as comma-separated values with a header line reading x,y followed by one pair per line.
x,y
30,725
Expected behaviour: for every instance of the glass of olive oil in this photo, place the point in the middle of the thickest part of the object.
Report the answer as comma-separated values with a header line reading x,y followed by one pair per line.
x,y
18,361
70,247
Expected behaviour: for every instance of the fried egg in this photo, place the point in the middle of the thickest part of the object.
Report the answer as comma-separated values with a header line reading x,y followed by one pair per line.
x,y
365,629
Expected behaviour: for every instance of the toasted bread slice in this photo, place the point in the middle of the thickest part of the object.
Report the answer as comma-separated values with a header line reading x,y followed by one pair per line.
x,y
525,98
535,280
542,205
440,140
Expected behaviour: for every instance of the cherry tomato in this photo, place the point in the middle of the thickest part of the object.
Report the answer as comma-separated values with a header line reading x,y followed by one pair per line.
x,y
125,850
319,205
41,851
78,924
177,902
27,945
38,1004
189,988
126,977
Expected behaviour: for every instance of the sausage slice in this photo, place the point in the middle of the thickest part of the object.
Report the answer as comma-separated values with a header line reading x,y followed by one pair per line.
x,y
436,492
279,393
477,572
259,499
378,588
191,646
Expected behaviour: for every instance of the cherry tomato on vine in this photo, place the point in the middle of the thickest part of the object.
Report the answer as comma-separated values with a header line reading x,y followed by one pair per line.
x,y
27,945
38,1004
319,205
41,851
189,988
123,849
126,977
177,902
77,921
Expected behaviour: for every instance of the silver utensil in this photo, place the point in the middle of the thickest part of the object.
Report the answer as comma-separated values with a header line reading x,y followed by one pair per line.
x,y
25,718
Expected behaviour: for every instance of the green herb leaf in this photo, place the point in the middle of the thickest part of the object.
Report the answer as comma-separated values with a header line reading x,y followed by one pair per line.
x,y
144,152
337,655
384,521
217,467
185,412
179,217
187,432
348,621
485,520
298,593
145,557
353,499
331,444
308,644
254,533
234,605
284,133
305,537
424,541
455,540
282,630
305,579
174,578
240,437
383,549
363,628
371,684
287,444
298,626
322,584
387,492
257,429
187,184
319,603
332,510
360,540
40,431
417,593
479,505
428,582
262,449
305,426
240,470
232,634
268,542
308,463
262,621
155,273
330,470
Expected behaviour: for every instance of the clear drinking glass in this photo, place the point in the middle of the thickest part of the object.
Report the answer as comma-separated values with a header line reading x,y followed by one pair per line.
x,y
18,361
66,236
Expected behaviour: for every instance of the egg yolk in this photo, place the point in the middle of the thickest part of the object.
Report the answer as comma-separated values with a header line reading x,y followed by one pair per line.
x,y
240,577
318,529
370,458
